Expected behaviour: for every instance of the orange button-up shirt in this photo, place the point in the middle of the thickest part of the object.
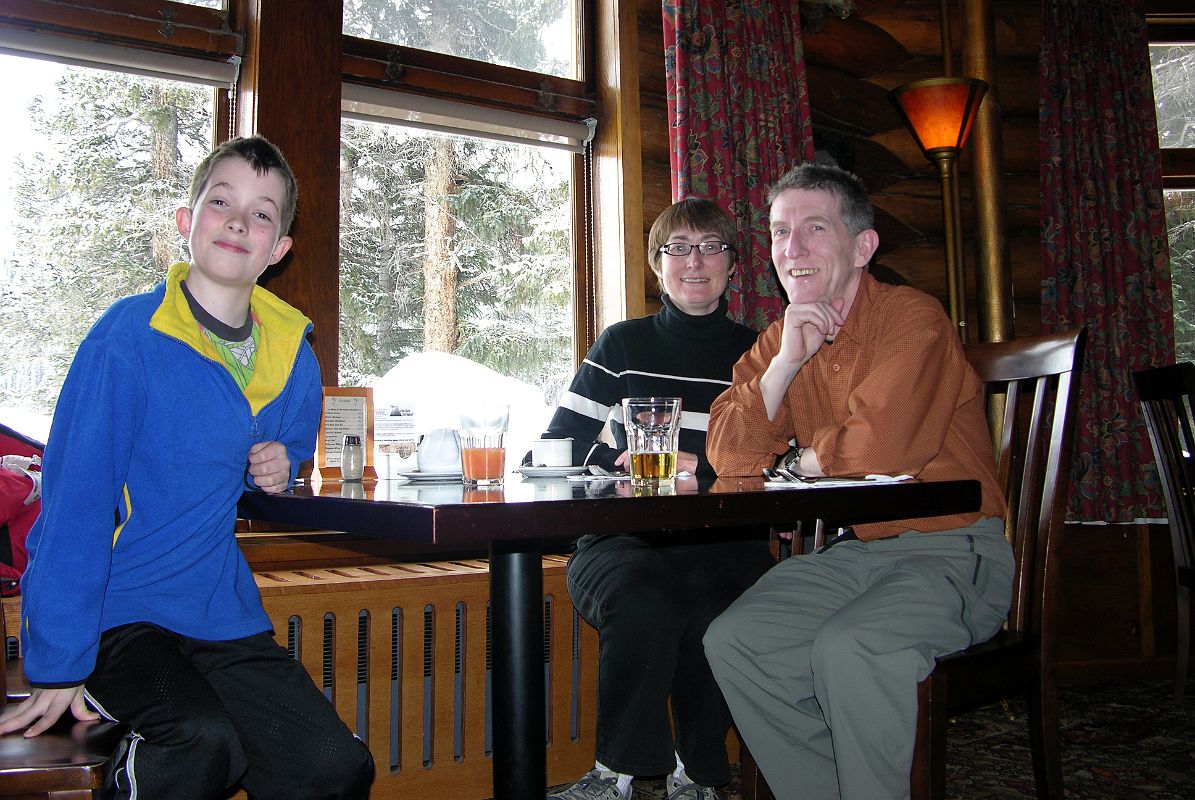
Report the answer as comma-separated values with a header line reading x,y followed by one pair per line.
x,y
893,395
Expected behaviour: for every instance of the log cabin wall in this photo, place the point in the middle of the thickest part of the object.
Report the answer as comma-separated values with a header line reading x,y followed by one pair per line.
x,y
852,65
1118,606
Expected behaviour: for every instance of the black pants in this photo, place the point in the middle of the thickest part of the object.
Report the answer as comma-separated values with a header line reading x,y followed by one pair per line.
x,y
207,716
651,600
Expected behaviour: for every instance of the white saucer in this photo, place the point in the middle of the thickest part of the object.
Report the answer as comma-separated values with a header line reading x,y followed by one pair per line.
x,y
431,474
550,472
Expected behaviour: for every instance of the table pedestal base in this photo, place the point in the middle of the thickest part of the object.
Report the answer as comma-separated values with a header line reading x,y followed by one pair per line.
x,y
519,728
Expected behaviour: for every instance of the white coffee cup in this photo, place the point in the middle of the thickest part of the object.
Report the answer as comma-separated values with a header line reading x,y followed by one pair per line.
x,y
552,453
439,451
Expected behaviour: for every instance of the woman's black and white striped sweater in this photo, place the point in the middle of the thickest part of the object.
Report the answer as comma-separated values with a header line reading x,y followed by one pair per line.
x,y
669,354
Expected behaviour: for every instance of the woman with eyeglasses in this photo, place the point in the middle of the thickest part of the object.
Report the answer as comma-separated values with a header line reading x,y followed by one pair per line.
x,y
651,598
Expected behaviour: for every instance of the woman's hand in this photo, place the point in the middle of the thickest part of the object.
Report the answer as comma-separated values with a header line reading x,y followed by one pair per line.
x,y
685,462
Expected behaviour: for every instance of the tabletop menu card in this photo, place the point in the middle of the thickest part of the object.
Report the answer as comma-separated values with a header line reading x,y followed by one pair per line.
x,y
347,410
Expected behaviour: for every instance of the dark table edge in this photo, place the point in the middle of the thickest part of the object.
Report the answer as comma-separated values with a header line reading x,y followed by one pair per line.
x,y
564,520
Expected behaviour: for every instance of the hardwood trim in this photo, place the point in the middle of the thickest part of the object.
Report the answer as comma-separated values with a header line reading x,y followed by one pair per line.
x,y
1172,31
309,549
1091,670
188,30
620,263
302,117
584,283
1145,591
1155,7
435,74
1168,12
1178,168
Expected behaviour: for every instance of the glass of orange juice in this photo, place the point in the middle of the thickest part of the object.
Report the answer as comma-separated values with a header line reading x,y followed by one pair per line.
x,y
483,452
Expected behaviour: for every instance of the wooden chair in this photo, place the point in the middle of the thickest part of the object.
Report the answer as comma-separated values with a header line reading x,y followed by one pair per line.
x,y
1167,396
1031,387
64,763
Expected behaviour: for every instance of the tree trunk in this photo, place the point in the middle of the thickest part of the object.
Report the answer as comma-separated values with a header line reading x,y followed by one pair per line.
x,y
165,165
439,265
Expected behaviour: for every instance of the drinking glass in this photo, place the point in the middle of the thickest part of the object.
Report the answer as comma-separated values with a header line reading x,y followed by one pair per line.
x,y
483,452
652,425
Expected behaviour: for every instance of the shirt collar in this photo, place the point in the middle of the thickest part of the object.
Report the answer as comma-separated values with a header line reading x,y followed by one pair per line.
x,y
861,309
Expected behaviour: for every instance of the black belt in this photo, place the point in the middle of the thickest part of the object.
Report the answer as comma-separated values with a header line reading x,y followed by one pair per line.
x,y
843,535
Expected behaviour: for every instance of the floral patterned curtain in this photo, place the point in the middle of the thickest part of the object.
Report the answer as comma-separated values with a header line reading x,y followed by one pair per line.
x,y
1104,254
738,112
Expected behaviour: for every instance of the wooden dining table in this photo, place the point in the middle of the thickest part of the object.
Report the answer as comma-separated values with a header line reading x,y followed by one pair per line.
x,y
522,517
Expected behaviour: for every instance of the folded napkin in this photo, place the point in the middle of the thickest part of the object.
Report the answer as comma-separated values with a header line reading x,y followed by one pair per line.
x,y
776,481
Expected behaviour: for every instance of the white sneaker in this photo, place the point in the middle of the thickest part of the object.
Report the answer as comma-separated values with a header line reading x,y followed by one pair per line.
x,y
595,785
684,789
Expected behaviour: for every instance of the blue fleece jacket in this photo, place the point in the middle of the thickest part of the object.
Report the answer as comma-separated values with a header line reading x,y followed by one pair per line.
x,y
146,459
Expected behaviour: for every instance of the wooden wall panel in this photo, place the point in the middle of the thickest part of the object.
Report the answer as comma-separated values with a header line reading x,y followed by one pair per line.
x,y
915,24
618,191
302,117
856,46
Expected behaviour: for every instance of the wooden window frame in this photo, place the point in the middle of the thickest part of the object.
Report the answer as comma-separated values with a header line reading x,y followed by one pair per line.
x,y
271,101
1173,22
163,26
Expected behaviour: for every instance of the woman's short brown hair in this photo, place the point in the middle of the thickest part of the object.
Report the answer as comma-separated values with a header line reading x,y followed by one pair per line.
x,y
694,213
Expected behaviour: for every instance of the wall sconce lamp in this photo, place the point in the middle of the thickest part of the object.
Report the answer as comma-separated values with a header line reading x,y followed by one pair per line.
x,y
939,113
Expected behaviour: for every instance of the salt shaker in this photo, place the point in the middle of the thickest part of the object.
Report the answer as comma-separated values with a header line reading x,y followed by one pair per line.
x,y
352,458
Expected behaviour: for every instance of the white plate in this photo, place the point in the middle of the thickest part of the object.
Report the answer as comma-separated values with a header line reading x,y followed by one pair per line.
x,y
431,475
550,472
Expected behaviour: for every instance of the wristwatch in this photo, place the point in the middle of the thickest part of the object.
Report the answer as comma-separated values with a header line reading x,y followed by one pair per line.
x,y
792,459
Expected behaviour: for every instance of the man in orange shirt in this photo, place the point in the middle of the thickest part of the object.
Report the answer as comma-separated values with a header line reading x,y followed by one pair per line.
x,y
820,660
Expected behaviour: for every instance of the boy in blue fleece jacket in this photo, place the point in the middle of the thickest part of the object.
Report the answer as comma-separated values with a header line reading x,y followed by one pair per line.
x,y
137,599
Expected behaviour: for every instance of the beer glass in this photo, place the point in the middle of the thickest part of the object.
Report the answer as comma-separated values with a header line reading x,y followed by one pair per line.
x,y
652,425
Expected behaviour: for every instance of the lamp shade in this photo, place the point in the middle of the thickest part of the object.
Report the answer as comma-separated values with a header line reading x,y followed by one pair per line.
x,y
939,111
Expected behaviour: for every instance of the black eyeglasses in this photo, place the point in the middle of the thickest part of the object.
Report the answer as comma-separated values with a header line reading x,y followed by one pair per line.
x,y
710,248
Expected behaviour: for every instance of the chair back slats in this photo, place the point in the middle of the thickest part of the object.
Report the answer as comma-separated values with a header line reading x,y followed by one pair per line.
x,y
1167,395
1030,386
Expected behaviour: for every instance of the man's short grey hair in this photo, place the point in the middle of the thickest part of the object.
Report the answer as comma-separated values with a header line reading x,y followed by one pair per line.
x,y
857,213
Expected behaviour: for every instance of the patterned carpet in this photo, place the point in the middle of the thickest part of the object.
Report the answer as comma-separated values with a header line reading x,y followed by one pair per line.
x,y
1120,741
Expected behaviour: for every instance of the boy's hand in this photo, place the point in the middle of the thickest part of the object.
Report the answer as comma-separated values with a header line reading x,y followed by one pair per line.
x,y
43,708
270,466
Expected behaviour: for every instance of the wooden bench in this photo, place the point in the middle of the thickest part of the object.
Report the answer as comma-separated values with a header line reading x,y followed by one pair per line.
x,y
402,650
64,763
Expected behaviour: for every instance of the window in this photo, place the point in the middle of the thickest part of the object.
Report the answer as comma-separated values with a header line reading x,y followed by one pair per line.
x,y
1174,93
535,35
95,163
514,204
455,273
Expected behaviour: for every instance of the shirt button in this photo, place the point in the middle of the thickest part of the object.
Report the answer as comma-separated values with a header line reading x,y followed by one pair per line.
x,y
835,368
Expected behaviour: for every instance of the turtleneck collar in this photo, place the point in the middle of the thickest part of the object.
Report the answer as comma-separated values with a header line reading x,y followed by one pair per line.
x,y
712,325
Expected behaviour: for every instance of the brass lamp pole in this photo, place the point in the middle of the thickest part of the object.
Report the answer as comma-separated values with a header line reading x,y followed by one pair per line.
x,y
939,113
